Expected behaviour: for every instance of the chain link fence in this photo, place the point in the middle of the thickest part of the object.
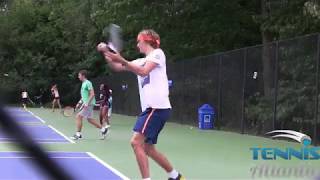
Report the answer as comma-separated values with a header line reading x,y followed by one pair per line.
x,y
253,90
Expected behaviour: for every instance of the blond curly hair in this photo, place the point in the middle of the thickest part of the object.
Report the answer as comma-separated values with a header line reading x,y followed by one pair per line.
x,y
151,37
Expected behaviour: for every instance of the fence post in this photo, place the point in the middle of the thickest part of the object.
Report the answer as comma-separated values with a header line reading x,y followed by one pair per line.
x,y
243,88
183,91
317,91
219,89
200,83
275,80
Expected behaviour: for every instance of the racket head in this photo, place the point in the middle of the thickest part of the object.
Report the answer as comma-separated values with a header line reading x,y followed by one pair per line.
x,y
68,111
79,108
113,35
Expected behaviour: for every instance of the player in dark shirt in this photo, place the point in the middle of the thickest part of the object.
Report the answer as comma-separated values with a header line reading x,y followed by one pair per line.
x,y
104,105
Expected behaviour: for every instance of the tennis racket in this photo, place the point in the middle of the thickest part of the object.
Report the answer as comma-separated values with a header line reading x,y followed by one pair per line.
x,y
30,100
70,111
113,34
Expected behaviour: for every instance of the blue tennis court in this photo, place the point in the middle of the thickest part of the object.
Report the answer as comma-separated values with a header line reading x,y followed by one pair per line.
x,y
26,119
15,109
40,134
23,116
80,165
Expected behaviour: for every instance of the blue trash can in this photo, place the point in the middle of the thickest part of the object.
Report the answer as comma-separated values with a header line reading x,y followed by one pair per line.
x,y
206,115
170,83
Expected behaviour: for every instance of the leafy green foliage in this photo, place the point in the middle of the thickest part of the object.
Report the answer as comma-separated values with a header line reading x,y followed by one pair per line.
x,y
47,41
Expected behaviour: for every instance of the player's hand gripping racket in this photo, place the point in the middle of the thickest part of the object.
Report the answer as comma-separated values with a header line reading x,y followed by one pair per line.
x,y
113,33
70,111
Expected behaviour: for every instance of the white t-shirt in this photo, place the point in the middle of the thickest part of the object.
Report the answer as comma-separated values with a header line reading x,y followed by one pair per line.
x,y
24,94
153,88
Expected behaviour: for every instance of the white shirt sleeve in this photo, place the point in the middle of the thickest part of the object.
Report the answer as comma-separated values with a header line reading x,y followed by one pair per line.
x,y
156,56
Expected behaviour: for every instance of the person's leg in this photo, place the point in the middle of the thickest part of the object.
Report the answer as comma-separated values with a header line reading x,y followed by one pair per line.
x,y
153,127
158,157
137,143
59,104
89,115
78,135
94,123
109,111
100,116
53,104
103,129
105,116
24,103
79,119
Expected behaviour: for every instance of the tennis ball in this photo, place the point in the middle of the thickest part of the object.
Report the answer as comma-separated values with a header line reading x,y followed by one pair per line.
x,y
101,47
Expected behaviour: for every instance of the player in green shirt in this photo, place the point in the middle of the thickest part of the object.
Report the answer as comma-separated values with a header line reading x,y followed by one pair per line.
x,y
88,101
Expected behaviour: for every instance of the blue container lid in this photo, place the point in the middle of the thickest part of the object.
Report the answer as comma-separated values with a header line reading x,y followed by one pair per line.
x,y
170,82
206,108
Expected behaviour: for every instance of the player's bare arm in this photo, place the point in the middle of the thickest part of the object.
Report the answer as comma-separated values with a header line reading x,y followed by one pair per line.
x,y
138,70
91,96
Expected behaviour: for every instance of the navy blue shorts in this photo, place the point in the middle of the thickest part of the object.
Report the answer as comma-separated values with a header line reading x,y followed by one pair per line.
x,y
150,123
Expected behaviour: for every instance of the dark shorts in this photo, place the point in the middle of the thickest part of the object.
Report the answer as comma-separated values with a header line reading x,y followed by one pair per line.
x,y
56,98
24,100
104,103
150,123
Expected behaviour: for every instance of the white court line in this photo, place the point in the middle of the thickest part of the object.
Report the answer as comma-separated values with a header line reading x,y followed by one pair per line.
x,y
108,166
39,142
36,139
22,115
37,117
28,157
71,141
